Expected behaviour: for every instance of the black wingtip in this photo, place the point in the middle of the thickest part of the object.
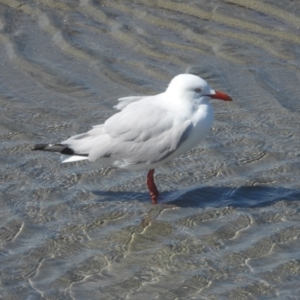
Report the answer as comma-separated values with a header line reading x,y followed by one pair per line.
x,y
67,151
39,147
49,147
63,149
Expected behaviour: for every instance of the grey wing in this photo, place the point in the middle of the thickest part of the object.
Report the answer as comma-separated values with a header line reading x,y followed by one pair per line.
x,y
141,134
125,101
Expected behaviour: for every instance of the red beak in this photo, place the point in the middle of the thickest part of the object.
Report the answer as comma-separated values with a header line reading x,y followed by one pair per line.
x,y
221,96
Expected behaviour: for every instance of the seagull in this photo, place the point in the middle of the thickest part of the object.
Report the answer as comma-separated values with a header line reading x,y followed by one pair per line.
x,y
148,131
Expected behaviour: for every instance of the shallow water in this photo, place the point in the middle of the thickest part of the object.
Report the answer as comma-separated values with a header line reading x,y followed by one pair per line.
x,y
227,225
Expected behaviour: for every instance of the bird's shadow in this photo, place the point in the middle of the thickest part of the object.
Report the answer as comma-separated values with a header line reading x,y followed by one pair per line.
x,y
205,197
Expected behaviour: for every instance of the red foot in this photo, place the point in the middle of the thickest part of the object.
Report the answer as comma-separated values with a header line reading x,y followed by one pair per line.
x,y
152,187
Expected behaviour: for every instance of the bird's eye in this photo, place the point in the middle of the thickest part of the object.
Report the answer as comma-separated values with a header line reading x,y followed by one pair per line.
x,y
197,90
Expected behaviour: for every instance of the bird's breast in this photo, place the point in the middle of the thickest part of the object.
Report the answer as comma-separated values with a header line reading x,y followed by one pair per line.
x,y
203,118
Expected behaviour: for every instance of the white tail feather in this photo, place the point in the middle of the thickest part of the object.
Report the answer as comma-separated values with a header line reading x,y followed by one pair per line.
x,y
71,158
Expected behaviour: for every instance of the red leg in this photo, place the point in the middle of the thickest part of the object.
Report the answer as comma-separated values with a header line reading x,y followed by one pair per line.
x,y
152,187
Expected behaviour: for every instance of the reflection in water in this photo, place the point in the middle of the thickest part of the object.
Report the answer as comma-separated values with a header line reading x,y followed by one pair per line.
x,y
228,224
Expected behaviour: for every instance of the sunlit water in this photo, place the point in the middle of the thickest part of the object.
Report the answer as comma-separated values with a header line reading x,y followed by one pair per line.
x,y
227,224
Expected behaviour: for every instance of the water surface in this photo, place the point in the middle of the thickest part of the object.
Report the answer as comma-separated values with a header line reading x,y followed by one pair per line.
x,y
227,225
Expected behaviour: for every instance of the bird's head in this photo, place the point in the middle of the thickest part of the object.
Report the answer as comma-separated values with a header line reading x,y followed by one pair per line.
x,y
194,88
